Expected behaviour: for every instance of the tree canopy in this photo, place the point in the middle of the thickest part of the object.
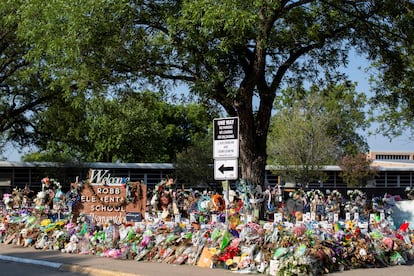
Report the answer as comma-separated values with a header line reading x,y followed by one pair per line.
x,y
24,91
356,170
239,54
194,164
315,127
298,142
130,127
342,107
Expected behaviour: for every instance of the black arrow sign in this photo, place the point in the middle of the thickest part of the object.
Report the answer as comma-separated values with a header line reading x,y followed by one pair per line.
x,y
222,169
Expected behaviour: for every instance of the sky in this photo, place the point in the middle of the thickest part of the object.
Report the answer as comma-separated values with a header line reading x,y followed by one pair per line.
x,y
377,142
381,143
12,155
356,74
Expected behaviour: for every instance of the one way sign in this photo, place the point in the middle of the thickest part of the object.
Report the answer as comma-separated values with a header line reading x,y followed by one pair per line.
x,y
225,169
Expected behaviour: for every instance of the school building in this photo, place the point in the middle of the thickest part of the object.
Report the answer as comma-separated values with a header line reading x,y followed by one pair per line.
x,y
395,173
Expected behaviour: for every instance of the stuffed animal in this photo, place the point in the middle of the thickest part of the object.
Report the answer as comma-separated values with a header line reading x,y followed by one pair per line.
x,y
40,200
72,245
43,242
17,198
58,239
21,237
30,238
8,201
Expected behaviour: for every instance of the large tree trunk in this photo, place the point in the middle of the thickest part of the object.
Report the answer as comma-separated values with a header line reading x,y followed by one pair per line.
x,y
252,148
253,162
253,156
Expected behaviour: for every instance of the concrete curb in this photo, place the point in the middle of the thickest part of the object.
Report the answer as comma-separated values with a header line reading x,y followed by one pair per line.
x,y
30,261
94,271
68,267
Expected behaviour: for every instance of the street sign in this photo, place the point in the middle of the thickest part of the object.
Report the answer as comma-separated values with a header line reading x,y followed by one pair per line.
x,y
226,138
225,169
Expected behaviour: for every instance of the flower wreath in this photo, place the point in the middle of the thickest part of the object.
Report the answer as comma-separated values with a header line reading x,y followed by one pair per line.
x,y
164,186
49,187
299,192
354,194
410,193
311,194
204,204
249,194
336,195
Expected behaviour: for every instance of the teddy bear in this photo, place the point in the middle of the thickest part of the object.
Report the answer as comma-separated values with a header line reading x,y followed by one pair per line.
x,y
72,245
22,237
43,242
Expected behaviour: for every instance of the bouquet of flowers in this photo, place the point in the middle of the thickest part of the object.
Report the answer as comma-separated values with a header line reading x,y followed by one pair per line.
x,y
296,265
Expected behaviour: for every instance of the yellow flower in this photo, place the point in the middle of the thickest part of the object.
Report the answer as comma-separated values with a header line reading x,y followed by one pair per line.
x,y
350,225
45,222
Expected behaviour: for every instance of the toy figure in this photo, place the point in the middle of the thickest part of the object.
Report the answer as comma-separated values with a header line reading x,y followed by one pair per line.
x,y
8,201
72,245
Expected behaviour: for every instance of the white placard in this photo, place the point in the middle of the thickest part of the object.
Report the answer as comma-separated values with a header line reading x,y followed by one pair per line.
x,y
356,217
273,267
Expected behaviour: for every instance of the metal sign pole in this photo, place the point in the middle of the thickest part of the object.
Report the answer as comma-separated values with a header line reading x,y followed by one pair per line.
x,y
226,196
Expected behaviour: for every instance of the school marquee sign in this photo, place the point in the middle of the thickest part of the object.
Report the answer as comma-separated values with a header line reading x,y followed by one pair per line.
x,y
104,198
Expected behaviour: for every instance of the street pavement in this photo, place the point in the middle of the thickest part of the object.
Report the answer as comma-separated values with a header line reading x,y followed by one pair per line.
x,y
101,266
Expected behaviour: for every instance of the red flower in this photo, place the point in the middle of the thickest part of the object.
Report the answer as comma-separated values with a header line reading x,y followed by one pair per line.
x,y
229,253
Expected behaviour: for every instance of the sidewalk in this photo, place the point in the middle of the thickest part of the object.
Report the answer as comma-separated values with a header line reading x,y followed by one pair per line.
x,y
100,266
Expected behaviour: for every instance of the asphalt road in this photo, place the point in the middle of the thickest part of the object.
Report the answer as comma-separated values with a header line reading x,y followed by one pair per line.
x,y
10,268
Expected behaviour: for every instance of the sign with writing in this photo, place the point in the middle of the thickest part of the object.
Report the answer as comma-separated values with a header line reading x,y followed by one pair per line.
x,y
134,217
104,198
103,177
226,137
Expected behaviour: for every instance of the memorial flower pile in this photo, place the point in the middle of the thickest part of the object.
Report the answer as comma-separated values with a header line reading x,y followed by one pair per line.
x,y
309,233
